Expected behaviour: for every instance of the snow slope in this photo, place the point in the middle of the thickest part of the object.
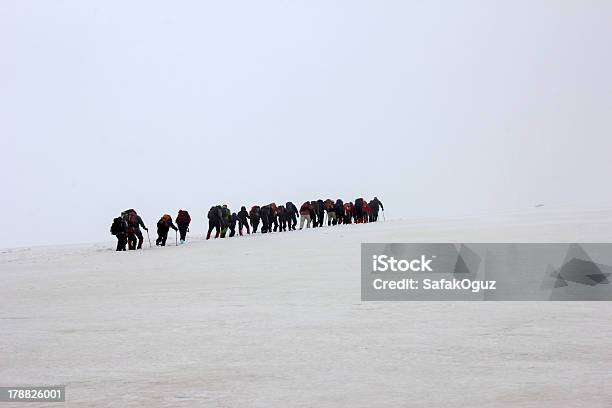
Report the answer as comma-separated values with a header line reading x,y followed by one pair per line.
x,y
276,321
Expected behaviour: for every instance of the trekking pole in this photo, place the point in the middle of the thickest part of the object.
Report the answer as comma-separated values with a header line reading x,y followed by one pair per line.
x,y
384,219
176,237
149,239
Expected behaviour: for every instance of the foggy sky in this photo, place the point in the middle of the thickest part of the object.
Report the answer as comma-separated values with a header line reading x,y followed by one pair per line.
x,y
438,108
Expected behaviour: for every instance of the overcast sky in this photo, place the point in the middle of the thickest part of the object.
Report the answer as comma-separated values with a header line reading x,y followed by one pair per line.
x,y
438,108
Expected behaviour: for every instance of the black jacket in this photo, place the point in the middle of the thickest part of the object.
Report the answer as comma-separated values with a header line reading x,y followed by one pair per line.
x,y
377,203
164,226
243,215
265,213
339,207
119,226
215,215
320,207
291,209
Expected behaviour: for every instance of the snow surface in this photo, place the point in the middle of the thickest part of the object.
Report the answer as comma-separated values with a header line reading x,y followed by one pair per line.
x,y
276,321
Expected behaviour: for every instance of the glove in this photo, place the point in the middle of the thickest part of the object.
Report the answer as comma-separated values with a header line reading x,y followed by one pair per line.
x,y
187,229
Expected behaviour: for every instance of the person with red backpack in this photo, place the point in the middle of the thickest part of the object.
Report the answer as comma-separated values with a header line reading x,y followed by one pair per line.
x,y
134,222
305,211
349,213
366,212
255,216
273,220
359,213
182,222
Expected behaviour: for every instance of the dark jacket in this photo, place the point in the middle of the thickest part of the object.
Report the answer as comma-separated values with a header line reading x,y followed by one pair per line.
x,y
243,215
339,207
377,203
164,224
291,209
255,213
139,222
265,212
119,226
282,213
320,207
215,215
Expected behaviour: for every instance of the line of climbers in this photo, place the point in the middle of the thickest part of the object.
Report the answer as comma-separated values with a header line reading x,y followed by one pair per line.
x,y
280,218
272,218
127,229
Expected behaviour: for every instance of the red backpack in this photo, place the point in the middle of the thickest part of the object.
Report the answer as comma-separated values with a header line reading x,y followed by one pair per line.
x,y
132,219
183,217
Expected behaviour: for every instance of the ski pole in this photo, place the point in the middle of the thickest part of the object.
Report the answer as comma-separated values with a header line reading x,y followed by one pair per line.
x,y
176,237
149,239
384,219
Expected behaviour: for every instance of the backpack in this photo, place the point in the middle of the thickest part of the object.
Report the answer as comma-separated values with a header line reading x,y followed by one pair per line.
x,y
226,214
117,226
359,203
132,219
183,217
212,213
